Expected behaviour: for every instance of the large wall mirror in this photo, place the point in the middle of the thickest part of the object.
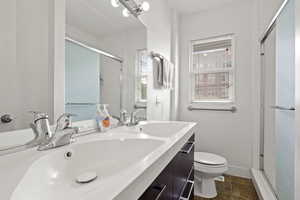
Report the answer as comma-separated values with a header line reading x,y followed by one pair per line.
x,y
108,68
105,63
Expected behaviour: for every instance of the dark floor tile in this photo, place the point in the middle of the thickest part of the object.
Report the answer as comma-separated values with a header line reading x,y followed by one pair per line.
x,y
234,188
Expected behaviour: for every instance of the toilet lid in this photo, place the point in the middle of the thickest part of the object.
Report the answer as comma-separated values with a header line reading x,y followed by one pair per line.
x,y
209,158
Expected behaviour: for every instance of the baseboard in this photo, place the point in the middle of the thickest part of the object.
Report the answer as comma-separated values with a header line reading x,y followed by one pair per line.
x,y
238,171
262,186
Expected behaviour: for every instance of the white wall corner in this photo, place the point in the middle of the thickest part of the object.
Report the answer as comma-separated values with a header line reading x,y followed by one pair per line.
x,y
175,60
238,171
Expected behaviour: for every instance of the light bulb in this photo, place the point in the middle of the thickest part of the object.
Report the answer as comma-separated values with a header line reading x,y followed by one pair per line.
x,y
125,12
115,3
145,6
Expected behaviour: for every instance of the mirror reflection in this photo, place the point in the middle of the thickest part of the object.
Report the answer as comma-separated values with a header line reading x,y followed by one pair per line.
x,y
105,60
105,63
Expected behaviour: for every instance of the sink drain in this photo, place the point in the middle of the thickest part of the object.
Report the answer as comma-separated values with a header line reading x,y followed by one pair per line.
x,y
86,177
69,154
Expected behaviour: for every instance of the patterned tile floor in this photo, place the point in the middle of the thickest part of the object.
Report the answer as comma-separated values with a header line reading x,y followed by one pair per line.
x,y
234,188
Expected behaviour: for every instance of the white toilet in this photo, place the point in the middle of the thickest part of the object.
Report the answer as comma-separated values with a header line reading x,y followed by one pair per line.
x,y
208,166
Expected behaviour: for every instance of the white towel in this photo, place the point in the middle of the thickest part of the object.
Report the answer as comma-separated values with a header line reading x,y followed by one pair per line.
x,y
157,72
168,74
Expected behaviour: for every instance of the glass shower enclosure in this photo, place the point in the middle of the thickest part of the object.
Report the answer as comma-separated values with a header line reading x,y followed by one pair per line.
x,y
278,98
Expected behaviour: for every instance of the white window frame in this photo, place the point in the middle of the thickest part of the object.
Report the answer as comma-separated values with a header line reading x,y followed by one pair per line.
x,y
138,101
214,103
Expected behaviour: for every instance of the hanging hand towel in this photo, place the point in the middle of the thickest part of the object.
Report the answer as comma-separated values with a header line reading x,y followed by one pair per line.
x,y
157,72
168,74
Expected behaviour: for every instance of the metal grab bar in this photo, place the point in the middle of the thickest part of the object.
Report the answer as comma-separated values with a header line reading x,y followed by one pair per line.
x,y
140,106
291,108
83,104
232,109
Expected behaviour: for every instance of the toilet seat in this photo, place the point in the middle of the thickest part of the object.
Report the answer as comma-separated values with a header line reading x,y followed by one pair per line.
x,y
209,159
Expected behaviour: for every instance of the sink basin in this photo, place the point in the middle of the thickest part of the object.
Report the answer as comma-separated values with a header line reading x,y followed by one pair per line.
x,y
53,176
162,129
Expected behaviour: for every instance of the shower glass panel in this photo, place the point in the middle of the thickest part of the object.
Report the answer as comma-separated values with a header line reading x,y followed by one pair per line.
x,y
278,80
111,85
285,97
91,79
82,89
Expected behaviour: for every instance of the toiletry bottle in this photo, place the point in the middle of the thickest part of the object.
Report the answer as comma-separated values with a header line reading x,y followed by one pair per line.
x,y
103,117
106,122
99,117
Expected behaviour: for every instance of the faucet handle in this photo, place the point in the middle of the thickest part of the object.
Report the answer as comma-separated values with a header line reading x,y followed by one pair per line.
x,y
38,115
123,116
64,121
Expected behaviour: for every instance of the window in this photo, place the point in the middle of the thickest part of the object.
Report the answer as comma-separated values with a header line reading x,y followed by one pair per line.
x,y
212,70
142,71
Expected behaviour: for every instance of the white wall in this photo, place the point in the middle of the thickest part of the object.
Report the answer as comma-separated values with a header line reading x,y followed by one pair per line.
x,y
175,55
9,91
225,133
29,58
158,23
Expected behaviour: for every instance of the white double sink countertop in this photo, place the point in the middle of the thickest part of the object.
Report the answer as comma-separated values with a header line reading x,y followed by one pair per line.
x,y
126,161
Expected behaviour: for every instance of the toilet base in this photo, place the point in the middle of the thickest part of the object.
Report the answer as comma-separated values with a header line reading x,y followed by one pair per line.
x,y
205,188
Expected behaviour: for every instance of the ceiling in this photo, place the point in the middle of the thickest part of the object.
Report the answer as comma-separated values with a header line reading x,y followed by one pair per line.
x,y
98,17
192,6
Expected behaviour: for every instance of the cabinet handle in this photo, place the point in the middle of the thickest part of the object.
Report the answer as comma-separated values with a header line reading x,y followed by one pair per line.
x,y
190,191
189,150
162,189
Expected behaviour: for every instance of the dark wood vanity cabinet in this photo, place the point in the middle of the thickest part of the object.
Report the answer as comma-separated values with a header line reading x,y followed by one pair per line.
x,y
176,181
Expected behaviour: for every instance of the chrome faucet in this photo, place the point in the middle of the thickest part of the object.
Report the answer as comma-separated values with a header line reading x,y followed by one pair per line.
x,y
49,140
41,127
133,118
128,120
123,119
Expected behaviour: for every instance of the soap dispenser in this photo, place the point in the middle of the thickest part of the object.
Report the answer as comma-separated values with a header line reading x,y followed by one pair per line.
x,y
103,118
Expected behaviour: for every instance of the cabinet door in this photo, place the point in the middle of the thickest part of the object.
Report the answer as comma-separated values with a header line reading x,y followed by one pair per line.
x,y
184,162
170,184
161,188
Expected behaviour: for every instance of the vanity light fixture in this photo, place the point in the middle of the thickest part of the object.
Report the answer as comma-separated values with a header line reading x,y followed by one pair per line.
x,y
131,7
125,12
115,3
145,6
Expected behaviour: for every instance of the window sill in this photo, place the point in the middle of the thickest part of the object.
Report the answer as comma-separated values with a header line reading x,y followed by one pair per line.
x,y
213,106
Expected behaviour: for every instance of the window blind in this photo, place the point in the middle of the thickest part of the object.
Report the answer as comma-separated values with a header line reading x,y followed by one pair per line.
x,y
211,45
